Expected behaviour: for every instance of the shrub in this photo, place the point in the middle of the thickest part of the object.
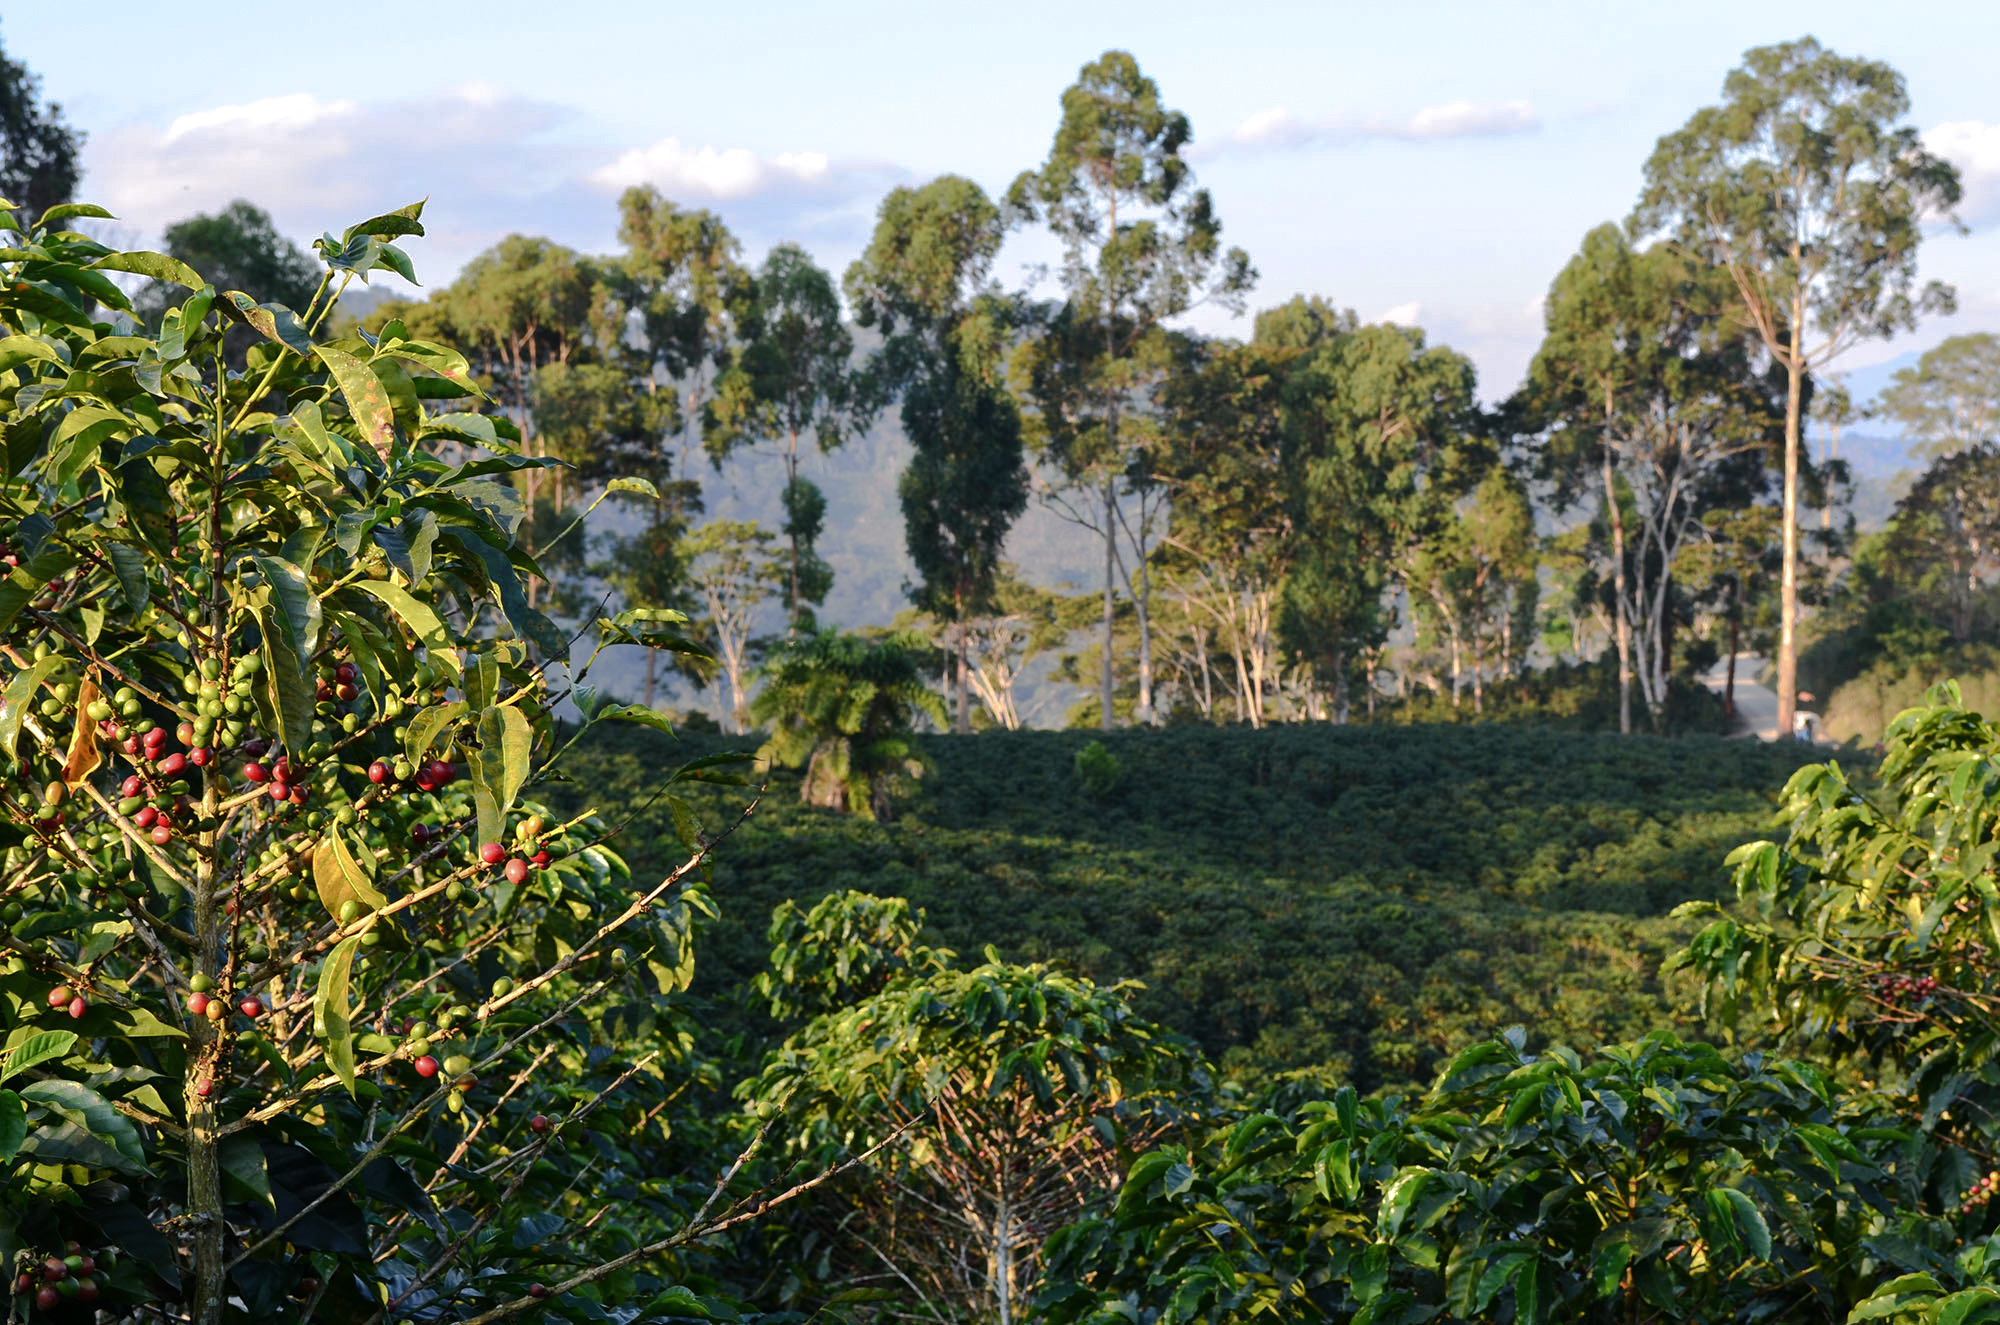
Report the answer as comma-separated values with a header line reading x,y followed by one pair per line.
x,y
1097,770
310,1009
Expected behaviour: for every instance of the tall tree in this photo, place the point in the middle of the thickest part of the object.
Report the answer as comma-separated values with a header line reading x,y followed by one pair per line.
x,y
237,248
39,168
693,297
1804,185
1230,539
795,375
1645,394
1382,435
1950,399
1944,539
1141,244
732,566
922,283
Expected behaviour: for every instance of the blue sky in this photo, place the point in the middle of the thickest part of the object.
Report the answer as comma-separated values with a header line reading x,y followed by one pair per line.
x,y
1433,163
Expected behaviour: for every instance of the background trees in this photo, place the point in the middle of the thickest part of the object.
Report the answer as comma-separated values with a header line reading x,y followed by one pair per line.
x,y
1117,147
1806,187
922,284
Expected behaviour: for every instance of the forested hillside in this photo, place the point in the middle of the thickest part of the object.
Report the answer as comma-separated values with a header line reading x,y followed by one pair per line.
x,y
1359,903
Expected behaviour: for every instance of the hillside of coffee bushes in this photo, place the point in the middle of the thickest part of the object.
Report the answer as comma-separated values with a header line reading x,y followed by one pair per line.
x,y
1360,901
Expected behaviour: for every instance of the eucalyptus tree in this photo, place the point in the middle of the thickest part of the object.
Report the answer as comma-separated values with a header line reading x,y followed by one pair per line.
x,y
923,283
693,297
733,569
1646,393
1943,542
795,375
1807,187
1230,539
1382,435
1141,245
1950,399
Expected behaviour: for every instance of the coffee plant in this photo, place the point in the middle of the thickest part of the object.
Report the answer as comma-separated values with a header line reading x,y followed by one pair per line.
x,y
311,1008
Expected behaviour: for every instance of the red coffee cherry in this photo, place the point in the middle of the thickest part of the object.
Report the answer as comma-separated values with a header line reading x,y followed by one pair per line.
x,y
492,853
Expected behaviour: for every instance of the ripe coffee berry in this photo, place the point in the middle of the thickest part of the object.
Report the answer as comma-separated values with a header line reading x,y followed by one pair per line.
x,y
539,1124
378,772
198,1004
256,772
517,870
427,1067
492,853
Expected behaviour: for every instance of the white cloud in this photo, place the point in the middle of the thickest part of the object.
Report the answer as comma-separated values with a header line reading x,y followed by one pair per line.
x,y
491,161
1973,147
1404,315
1278,127
710,173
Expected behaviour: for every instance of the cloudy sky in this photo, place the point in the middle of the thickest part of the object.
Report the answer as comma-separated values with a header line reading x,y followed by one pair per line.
x,y
1422,162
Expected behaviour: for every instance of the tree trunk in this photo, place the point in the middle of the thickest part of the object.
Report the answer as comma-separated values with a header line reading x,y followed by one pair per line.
x,y
1623,619
791,477
964,680
1788,584
1143,605
1735,625
1110,571
1340,700
652,675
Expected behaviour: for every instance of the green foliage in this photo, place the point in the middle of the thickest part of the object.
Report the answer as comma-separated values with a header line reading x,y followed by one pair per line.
x,y
269,676
1097,770
236,248
1655,1180
980,1107
842,707
1362,901
1950,398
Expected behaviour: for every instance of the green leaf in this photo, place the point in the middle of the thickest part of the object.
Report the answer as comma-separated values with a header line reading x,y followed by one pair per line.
x,y
367,399
19,697
13,1126
528,623
424,727
92,1112
293,592
17,350
27,580
339,878
391,225
288,686
638,485
1974,1306
274,322
331,1007
418,617
129,565
1744,1220
1607,1268
35,1049
156,265
1500,1271
498,765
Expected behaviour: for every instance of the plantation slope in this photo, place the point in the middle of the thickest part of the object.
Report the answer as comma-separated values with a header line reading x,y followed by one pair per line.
x,y
1359,899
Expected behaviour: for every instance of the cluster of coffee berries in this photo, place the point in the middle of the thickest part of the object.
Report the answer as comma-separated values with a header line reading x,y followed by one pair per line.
x,y
1980,1193
1899,988
427,776
64,999
69,1277
205,1000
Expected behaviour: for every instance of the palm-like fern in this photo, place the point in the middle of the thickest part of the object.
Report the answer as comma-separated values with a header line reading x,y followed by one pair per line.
x,y
844,707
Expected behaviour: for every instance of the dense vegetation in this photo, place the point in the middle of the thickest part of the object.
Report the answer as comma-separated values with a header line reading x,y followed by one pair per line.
x,y
1361,903
349,966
